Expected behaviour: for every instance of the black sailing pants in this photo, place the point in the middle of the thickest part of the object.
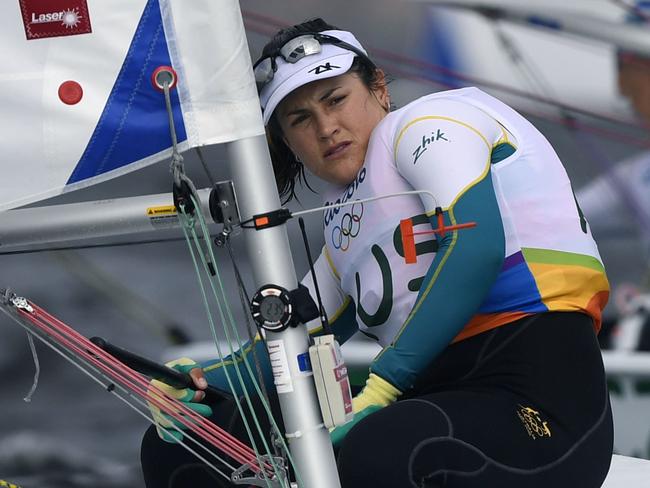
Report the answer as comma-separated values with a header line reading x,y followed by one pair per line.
x,y
524,405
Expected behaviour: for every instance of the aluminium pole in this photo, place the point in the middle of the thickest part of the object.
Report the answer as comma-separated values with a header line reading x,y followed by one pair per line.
x,y
268,250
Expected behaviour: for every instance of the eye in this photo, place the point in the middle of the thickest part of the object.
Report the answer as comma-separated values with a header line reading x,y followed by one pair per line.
x,y
299,120
337,100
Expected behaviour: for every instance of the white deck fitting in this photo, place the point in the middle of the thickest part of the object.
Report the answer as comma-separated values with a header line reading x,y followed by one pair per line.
x,y
628,472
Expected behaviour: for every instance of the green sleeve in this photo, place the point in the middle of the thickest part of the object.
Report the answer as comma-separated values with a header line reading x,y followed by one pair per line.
x,y
344,326
466,265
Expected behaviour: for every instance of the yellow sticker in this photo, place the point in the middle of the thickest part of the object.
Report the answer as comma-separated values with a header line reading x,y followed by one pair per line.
x,y
161,210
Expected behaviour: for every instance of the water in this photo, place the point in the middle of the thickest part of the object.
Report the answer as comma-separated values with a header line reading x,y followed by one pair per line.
x,y
72,433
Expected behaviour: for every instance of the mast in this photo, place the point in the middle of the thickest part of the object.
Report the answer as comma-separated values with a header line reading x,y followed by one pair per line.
x,y
270,257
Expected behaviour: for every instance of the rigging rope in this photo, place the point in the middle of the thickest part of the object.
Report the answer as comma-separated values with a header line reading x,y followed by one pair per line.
x,y
208,260
123,382
190,213
243,294
37,368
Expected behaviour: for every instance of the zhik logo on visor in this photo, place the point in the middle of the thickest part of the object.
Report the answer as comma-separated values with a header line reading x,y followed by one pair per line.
x,y
322,68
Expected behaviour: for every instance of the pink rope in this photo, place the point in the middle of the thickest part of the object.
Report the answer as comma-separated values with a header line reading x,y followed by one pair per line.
x,y
136,383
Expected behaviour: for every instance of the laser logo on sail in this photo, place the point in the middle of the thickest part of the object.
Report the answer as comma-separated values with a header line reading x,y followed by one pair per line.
x,y
55,18
68,18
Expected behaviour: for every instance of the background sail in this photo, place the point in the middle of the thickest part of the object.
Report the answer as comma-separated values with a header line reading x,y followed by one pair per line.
x,y
78,104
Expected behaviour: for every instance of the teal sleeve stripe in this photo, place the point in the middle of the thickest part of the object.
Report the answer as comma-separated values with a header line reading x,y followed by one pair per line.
x,y
501,152
343,327
215,374
465,267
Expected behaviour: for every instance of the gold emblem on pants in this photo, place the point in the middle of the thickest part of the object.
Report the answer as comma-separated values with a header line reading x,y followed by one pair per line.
x,y
533,422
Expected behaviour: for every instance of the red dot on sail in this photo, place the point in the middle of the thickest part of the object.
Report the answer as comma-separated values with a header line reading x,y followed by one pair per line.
x,y
70,92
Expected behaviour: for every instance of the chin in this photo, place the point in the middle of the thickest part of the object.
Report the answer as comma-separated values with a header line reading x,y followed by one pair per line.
x,y
339,180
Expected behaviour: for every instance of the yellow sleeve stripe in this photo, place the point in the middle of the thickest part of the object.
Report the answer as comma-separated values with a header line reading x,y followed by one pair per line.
x,y
331,263
504,137
239,359
441,265
464,190
437,117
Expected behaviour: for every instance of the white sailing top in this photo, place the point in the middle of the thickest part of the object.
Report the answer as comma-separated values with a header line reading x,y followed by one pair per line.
x,y
448,143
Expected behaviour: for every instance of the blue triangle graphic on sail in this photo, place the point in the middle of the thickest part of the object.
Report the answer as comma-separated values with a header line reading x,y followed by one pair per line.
x,y
134,123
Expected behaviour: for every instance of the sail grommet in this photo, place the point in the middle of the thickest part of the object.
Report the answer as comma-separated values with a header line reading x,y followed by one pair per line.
x,y
164,75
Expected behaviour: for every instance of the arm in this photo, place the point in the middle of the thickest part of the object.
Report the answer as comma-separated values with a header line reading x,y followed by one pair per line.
x,y
340,311
437,152
223,374
455,167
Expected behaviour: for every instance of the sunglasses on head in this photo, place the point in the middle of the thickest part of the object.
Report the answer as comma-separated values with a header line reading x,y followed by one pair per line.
x,y
294,50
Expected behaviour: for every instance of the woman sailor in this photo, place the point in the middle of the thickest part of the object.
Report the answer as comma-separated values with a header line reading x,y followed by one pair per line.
x,y
490,373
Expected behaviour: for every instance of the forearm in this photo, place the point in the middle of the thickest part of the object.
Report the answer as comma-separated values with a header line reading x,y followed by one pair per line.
x,y
466,265
236,368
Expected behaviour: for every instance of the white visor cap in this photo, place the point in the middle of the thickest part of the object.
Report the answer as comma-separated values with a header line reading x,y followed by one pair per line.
x,y
329,62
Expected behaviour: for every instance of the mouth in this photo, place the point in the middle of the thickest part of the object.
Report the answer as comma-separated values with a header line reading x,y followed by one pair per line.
x,y
337,150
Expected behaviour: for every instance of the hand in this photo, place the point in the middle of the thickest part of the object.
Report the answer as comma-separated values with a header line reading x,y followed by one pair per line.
x,y
377,393
166,425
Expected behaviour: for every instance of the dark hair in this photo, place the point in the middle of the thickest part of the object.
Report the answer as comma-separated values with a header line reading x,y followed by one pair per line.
x,y
288,170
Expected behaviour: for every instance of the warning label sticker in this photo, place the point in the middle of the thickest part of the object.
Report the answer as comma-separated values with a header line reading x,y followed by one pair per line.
x,y
163,216
161,210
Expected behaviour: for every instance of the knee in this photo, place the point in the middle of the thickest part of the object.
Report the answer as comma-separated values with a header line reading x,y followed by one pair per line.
x,y
377,451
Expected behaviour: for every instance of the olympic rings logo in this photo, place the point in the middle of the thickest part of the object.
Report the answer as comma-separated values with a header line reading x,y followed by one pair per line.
x,y
343,234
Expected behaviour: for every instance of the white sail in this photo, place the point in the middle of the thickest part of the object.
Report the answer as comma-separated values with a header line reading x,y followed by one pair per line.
x,y
76,94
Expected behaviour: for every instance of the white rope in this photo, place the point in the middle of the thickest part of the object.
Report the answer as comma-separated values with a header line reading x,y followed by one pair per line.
x,y
364,200
37,368
117,390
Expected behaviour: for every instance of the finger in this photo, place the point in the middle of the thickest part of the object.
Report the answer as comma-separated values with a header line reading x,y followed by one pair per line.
x,y
200,408
199,378
173,423
184,365
161,417
184,394
181,420
169,435
198,396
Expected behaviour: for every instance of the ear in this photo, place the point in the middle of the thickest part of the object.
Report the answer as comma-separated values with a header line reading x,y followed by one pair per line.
x,y
295,155
286,142
381,92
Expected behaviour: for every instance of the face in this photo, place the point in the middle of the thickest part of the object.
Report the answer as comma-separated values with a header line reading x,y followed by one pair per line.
x,y
327,124
634,83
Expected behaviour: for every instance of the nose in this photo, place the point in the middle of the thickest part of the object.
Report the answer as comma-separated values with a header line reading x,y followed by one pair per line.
x,y
327,126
